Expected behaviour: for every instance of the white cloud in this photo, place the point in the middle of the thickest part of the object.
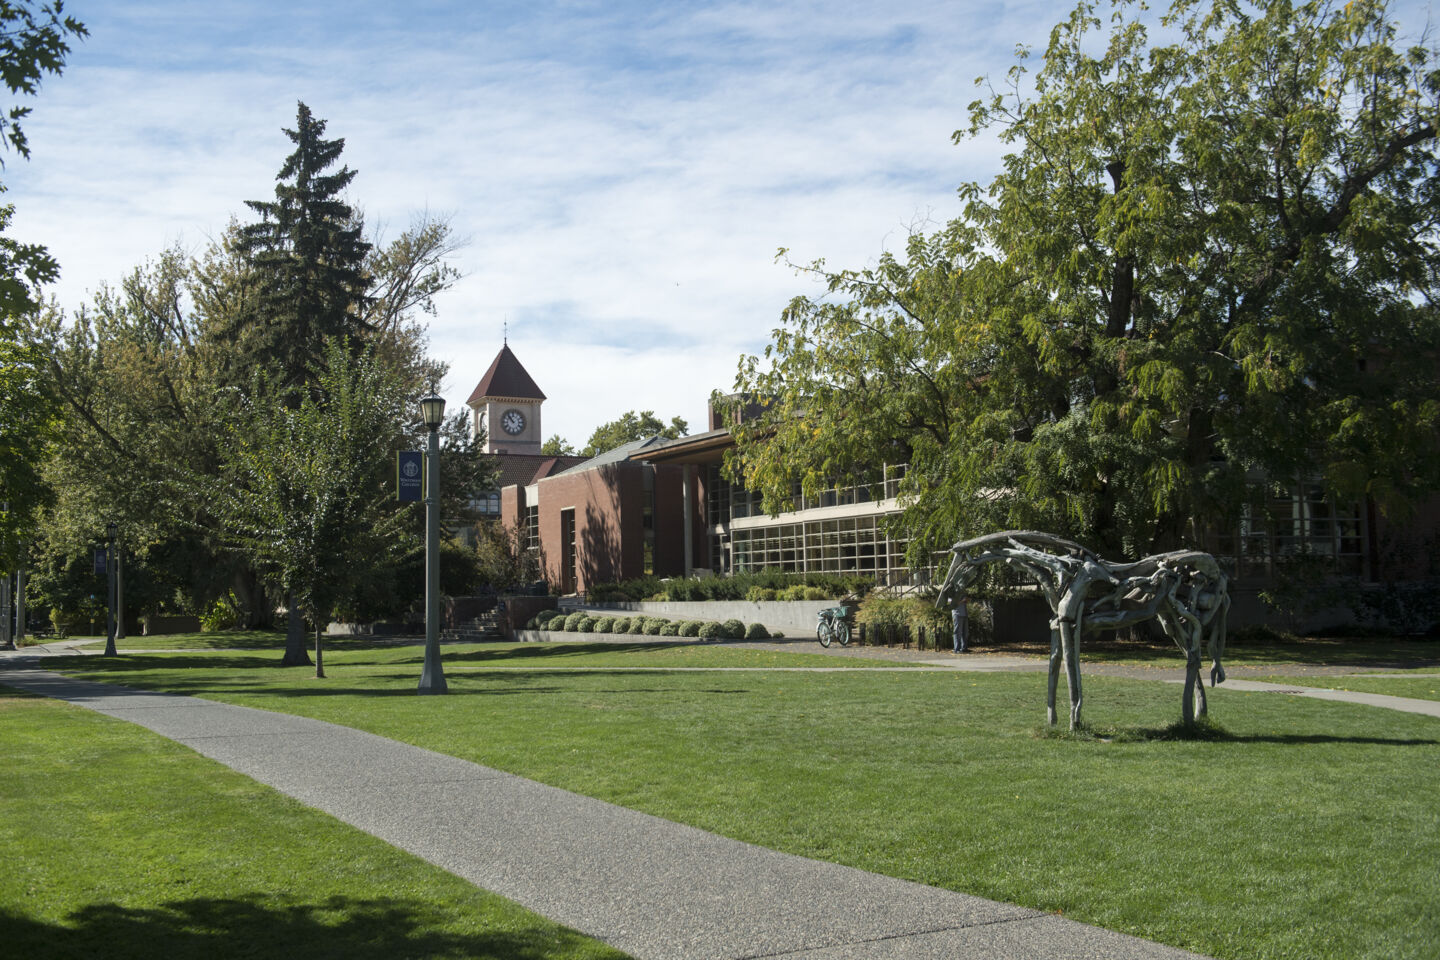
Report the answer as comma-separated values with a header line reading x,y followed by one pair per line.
x,y
625,172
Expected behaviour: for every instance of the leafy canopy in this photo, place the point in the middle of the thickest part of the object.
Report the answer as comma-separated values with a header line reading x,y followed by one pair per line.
x,y
1203,263
628,428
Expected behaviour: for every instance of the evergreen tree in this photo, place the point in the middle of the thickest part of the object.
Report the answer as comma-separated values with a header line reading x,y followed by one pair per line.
x,y
308,255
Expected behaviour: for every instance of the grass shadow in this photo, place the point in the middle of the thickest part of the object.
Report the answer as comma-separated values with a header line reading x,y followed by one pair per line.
x,y
1205,730
338,928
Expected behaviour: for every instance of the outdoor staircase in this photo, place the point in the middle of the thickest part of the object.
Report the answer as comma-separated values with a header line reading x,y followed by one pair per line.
x,y
485,628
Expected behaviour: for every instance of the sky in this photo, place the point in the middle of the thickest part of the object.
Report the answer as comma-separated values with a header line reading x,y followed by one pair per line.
x,y
623,173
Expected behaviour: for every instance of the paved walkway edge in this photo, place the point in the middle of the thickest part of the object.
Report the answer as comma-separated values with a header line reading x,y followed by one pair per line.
x,y
655,889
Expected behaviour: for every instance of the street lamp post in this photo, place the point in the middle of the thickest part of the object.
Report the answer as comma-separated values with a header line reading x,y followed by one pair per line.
x,y
432,677
110,588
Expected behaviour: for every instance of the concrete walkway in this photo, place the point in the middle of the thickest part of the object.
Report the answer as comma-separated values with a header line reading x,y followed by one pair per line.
x,y
655,889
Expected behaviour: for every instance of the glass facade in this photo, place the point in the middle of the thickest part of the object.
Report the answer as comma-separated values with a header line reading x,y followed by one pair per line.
x,y
741,540
1296,522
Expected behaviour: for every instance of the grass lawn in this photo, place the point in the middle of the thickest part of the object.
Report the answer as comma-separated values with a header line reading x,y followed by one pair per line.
x,y
676,653
1299,829
118,843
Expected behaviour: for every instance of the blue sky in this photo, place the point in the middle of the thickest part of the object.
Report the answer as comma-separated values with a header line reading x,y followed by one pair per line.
x,y
624,172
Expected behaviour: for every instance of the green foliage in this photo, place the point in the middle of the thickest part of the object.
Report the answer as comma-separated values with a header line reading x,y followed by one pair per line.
x,y
733,629
757,631
586,624
604,624
620,625
741,586
303,491
670,630
711,630
60,623
223,614
557,446
1206,257
308,256
690,628
33,43
653,626
629,428
572,622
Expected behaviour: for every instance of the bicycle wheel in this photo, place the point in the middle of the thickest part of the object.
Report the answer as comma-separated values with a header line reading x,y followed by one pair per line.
x,y
822,633
842,632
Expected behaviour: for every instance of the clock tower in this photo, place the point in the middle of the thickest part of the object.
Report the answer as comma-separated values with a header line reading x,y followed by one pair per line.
x,y
506,405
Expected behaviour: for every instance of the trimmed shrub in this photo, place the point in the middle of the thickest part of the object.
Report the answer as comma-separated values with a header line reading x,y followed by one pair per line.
x,y
778,635
604,624
712,631
690,628
653,626
928,623
620,625
572,622
670,630
587,624
758,594
637,624
757,631
734,629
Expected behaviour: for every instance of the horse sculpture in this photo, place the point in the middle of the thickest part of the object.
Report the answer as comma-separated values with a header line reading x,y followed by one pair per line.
x,y
1184,590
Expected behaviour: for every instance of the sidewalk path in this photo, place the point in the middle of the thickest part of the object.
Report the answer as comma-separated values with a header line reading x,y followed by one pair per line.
x,y
655,889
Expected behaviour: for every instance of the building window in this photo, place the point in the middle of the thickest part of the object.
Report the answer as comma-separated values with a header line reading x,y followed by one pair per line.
x,y
1295,523
532,528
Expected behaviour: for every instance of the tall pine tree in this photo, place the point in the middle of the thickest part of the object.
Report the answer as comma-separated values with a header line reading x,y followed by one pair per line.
x,y
308,255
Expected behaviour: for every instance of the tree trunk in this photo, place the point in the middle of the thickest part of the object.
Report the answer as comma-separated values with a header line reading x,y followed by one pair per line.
x,y
295,654
319,652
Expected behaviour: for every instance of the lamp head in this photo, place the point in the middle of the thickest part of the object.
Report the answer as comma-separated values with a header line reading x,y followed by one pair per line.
x,y
432,411
110,529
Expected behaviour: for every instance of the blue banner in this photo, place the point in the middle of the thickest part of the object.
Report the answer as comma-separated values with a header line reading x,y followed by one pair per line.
x,y
409,471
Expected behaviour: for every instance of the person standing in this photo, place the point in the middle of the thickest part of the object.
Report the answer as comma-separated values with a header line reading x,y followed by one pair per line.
x,y
960,620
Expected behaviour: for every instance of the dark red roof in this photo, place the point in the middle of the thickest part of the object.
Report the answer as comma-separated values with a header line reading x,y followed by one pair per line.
x,y
506,378
526,468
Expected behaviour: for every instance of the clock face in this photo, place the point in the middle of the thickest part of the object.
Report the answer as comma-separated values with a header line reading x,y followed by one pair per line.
x,y
512,422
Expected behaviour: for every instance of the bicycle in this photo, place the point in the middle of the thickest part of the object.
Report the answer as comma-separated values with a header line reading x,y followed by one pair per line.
x,y
832,626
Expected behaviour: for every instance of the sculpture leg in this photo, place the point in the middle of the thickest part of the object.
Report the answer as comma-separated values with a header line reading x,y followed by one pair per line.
x,y
1192,678
1070,646
1200,688
1055,655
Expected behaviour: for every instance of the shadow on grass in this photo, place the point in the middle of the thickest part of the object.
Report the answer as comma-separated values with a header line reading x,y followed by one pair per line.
x,y
561,650
1205,730
258,926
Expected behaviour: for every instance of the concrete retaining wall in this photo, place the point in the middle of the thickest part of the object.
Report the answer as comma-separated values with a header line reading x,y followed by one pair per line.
x,y
792,616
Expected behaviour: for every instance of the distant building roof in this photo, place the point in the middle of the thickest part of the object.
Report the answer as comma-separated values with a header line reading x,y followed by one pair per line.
x,y
626,451
506,378
526,468
708,447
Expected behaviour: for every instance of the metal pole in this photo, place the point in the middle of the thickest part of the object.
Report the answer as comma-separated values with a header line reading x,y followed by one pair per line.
x,y
685,508
7,641
432,677
110,597
20,606
119,589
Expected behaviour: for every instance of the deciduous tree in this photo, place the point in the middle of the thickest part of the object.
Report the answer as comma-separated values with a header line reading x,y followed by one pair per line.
x,y
630,427
1206,260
